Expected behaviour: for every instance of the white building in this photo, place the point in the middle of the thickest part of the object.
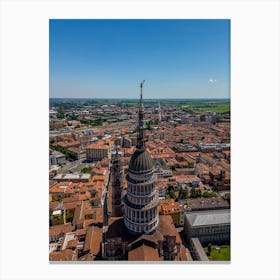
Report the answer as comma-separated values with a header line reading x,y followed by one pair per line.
x,y
95,152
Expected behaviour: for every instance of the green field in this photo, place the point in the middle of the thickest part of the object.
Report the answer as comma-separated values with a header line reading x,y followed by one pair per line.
x,y
189,105
221,254
204,107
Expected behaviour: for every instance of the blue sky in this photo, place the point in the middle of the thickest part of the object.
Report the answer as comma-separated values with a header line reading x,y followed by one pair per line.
x,y
108,58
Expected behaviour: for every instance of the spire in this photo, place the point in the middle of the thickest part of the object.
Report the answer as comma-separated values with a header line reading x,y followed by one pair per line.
x,y
140,128
141,95
159,112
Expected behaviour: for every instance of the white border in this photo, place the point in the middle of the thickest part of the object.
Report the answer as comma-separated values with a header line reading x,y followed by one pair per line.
x,y
255,137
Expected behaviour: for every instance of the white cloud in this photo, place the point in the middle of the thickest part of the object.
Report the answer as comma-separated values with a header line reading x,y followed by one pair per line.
x,y
212,81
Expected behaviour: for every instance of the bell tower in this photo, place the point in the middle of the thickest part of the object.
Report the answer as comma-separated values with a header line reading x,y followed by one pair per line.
x,y
117,186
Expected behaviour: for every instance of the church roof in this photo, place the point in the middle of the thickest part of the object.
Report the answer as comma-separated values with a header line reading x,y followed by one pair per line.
x,y
144,246
141,162
144,253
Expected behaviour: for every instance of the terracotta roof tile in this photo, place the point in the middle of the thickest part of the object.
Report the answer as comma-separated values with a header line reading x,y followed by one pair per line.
x,y
144,253
56,230
65,255
93,239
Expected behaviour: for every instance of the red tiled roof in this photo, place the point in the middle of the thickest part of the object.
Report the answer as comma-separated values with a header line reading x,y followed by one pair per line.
x,y
144,253
98,147
65,255
56,230
93,239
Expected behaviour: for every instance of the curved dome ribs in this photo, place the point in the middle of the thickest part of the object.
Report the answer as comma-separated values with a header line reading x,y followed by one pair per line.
x,y
141,161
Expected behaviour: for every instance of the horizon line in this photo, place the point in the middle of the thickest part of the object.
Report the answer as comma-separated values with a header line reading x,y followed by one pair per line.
x,y
127,98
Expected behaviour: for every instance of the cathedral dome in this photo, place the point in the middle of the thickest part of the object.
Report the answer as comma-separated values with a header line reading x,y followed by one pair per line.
x,y
141,162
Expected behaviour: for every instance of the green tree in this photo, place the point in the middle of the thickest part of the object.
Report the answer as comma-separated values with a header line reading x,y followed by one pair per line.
x,y
193,193
198,193
72,117
71,155
183,193
86,170
167,196
209,248
190,165
214,189
97,122
60,114
156,121
202,118
209,194
172,194
69,215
